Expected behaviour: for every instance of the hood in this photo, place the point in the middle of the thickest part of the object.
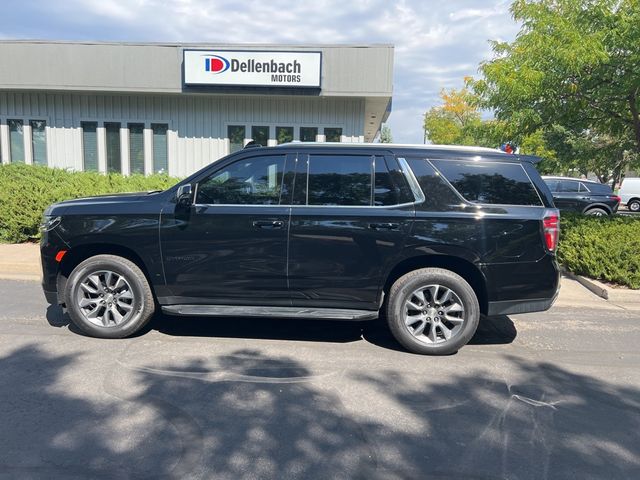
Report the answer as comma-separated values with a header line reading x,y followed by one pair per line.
x,y
98,200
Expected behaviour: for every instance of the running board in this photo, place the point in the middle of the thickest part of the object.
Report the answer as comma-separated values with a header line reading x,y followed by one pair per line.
x,y
287,312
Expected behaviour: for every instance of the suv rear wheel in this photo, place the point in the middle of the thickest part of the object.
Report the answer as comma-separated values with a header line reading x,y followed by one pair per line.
x,y
108,297
432,311
597,212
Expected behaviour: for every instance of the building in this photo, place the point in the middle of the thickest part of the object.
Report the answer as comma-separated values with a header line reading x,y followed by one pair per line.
x,y
143,108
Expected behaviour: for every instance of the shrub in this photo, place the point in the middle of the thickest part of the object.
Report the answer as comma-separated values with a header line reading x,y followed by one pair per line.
x,y
605,248
26,190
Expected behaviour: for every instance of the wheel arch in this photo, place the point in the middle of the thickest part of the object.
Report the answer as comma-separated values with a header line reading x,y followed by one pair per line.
x,y
80,253
602,206
466,269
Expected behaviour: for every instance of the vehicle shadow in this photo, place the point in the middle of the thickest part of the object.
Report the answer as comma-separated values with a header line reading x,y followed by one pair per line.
x,y
248,414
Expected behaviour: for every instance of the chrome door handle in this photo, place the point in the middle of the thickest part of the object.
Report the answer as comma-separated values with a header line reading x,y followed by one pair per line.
x,y
268,224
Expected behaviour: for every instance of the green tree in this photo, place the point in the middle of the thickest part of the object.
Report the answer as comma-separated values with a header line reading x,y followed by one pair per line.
x,y
453,121
385,135
574,64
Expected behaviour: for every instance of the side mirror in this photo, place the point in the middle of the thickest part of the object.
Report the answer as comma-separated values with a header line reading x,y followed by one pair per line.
x,y
185,195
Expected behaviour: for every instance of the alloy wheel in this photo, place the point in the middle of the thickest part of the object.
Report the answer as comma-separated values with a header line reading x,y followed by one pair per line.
x,y
105,298
434,314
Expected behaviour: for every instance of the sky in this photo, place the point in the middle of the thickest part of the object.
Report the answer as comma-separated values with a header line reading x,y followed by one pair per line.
x,y
437,43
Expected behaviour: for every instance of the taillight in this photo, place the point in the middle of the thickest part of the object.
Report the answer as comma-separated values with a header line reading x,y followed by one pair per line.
x,y
551,228
616,198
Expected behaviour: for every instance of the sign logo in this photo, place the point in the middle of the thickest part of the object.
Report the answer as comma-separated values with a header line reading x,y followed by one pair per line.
x,y
216,64
258,68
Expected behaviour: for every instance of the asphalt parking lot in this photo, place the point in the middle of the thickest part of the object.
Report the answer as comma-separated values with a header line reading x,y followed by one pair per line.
x,y
549,395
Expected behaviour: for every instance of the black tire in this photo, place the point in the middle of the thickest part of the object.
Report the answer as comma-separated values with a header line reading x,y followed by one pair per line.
x,y
143,304
406,285
597,212
634,205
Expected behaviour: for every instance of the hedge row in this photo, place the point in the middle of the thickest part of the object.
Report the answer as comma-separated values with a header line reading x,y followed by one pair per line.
x,y
598,247
604,248
25,191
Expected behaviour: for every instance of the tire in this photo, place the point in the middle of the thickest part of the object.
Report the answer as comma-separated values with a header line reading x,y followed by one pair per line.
x,y
634,205
396,310
597,212
125,293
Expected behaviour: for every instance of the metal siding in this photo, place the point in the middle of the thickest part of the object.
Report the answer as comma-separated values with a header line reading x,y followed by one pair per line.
x,y
197,123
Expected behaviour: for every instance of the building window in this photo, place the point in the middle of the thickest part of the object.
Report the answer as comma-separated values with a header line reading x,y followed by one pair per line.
x,y
308,134
160,150
284,134
333,134
260,135
90,146
39,141
136,147
16,141
114,161
236,135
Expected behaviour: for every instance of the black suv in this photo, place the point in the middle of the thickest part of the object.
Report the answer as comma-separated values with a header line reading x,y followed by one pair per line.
x,y
427,237
582,196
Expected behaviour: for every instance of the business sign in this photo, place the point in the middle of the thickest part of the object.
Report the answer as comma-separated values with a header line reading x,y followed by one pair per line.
x,y
252,68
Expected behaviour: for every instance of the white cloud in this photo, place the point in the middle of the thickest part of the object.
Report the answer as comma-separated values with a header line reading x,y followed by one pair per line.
x,y
437,43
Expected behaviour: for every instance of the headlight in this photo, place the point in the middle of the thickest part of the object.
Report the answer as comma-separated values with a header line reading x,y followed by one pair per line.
x,y
49,222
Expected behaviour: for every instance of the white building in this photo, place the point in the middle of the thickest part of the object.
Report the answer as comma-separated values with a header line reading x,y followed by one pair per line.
x,y
128,107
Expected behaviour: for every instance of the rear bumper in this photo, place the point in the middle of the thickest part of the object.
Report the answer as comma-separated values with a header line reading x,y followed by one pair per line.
x,y
513,307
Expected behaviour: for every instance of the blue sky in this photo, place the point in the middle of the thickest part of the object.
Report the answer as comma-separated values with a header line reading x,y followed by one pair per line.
x,y
437,43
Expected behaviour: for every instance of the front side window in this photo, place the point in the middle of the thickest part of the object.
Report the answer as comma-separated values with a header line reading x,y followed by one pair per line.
x,y
260,135
112,130
339,180
250,181
90,146
16,140
160,150
333,134
39,141
136,147
236,135
498,183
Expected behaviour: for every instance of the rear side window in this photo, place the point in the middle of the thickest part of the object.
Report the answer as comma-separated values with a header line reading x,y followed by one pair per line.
x,y
340,180
599,189
568,186
489,182
439,197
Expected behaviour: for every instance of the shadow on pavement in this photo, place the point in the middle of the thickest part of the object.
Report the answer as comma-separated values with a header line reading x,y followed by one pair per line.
x,y
249,415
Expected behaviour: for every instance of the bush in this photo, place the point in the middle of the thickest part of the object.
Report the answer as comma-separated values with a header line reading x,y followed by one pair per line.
x,y
605,248
25,191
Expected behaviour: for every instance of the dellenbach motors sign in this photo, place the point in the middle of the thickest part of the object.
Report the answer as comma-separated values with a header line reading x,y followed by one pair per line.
x,y
247,68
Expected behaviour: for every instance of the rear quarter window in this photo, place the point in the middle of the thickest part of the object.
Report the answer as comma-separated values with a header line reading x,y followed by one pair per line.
x,y
499,183
599,188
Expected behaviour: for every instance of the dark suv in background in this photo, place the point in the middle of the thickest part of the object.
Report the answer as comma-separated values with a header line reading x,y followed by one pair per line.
x,y
428,237
582,196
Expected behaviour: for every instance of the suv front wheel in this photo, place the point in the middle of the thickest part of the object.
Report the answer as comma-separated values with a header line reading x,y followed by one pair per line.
x,y
432,311
108,296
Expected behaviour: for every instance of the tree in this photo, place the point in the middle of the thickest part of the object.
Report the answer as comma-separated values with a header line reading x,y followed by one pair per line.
x,y
574,63
385,135
453,121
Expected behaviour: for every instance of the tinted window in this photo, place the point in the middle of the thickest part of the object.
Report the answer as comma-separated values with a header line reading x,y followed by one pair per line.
x,y
339,180
490,182
333,134
600,188
552,184
90,146
160,150
236,135
569,186
308,134
113,146
438,195
384,192
39,141
252,181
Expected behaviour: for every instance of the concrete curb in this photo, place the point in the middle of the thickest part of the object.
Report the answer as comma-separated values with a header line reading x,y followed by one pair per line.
x,y
614,295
